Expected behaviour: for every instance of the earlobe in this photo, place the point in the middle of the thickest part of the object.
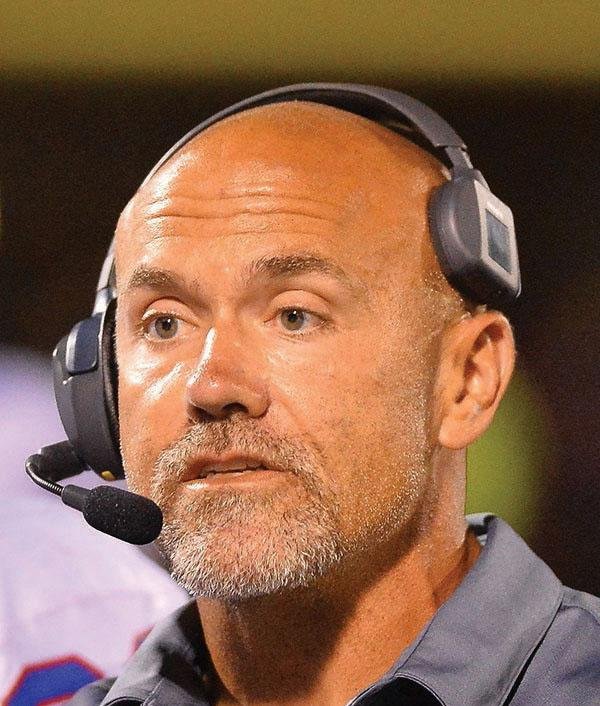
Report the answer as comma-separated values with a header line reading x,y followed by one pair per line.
x,y
476,364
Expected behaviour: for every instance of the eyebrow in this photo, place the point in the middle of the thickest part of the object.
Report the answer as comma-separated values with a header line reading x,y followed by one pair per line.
x,y
273,267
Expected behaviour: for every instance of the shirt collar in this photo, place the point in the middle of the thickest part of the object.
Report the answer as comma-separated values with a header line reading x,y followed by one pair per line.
x,y
472,649
169,665
476,644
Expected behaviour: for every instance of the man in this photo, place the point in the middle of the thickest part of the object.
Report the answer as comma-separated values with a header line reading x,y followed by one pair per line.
x,y
298,384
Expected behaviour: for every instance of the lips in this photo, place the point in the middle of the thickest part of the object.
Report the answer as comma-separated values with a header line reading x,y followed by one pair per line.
x,y
205,467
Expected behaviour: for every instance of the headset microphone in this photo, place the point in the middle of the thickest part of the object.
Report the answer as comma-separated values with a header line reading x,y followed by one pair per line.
x,y
124,515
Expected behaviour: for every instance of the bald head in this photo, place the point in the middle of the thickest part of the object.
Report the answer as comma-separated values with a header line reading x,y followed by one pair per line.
x,y
310,134
348,167
291,123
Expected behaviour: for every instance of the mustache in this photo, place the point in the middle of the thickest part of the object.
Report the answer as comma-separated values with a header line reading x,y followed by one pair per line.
x,y
216,438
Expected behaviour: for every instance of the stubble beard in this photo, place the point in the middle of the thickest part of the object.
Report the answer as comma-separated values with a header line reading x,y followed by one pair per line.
x,y
230,544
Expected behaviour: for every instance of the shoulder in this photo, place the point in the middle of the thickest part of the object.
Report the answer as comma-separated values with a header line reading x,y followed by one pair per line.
x,y
581,601
567,661
577,623
575,634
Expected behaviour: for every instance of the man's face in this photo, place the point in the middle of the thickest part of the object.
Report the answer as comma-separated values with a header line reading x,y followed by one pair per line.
x,y
271,314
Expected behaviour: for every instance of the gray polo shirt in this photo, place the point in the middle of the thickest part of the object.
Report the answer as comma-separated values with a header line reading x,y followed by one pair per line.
x,y
511,633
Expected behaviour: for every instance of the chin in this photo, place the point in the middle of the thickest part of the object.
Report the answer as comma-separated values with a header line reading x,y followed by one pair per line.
x,y
240,552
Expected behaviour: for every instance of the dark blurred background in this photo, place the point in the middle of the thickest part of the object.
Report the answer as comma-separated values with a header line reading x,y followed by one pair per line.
x,y
92,94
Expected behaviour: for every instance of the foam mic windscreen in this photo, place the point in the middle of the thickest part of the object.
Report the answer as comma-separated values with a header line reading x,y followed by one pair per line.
x,y
127,516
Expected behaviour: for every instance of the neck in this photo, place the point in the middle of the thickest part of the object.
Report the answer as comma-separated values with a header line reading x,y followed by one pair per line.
x,y
323,644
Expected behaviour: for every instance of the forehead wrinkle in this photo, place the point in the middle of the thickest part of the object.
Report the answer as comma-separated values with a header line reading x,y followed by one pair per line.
x,y
245,212
165,217
206,208
254,190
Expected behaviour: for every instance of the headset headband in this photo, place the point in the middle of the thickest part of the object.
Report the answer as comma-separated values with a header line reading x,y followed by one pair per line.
x,y
377,104
381,105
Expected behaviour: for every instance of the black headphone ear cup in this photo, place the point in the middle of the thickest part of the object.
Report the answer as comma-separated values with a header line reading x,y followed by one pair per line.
x,y
458,215
85,390
453,253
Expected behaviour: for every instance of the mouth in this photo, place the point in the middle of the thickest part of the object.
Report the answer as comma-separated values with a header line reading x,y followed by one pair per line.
x,y
205,468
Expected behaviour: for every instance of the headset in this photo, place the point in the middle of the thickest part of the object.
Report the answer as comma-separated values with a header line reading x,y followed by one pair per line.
x,y
472,231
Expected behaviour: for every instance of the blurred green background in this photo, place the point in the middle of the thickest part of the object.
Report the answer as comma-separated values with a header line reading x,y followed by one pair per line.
x,y
93,93
477,41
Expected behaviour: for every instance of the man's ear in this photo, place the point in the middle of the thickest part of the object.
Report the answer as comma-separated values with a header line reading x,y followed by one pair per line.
x,y
476,363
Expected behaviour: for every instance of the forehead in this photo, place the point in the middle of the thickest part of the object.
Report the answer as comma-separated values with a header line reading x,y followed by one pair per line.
x,y
286,178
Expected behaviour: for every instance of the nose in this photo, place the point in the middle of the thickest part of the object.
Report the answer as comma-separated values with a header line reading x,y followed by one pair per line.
x,y
228,378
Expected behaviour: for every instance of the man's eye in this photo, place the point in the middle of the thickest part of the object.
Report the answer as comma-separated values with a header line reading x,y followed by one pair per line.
x,y
297,319
163,327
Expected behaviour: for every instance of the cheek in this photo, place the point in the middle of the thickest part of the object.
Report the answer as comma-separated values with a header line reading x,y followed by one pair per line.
x,y
150,393
362,404
337,396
